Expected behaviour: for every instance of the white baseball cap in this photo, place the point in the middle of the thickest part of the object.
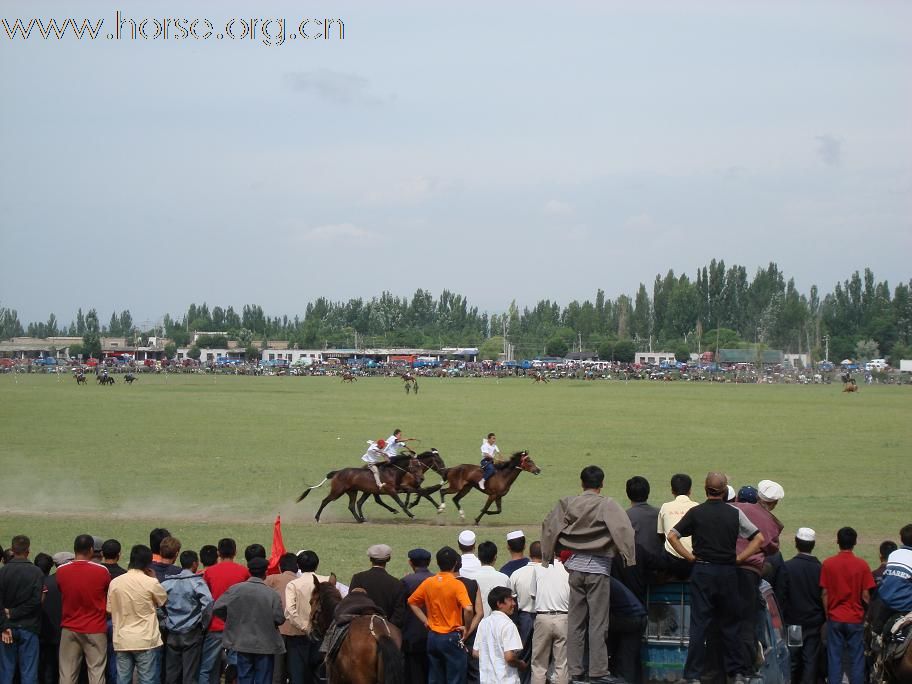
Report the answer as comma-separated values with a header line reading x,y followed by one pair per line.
x,y
770,491
806,534
467,538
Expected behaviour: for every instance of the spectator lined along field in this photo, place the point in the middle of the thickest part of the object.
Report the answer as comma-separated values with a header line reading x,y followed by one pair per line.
x,y
568,608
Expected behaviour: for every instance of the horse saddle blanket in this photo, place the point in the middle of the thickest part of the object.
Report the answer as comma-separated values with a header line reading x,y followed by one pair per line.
x,y
898,638
333,641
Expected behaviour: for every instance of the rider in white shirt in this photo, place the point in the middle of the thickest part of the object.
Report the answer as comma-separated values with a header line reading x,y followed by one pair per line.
x,y
489,453
376,454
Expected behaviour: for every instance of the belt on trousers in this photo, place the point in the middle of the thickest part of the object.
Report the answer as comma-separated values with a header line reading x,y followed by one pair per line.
x,y
551,612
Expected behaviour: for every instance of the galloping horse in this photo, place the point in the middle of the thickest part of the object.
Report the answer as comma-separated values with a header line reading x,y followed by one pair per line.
x,y
539,377
348,377
80,379
106,379
429,460
370,651
463,478
129,378
353,480
850,387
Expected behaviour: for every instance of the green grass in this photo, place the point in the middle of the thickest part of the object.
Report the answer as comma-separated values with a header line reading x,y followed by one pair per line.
x,y
213,456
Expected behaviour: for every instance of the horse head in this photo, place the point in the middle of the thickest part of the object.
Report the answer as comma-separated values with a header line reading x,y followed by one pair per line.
x,y
432,460
323,602
523,461
414,472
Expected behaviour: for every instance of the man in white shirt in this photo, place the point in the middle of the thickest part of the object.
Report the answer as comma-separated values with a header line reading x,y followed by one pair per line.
x,y
375,454
497,644
549,640
670,514
394,443
489,453
469,561
487,575
523,583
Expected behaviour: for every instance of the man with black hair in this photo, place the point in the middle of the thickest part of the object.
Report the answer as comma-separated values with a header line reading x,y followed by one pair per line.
x,y
597,530
303,660
896,588
291,635
487,575
49,638
382,588
886,548
21,588
110,558
208,556
643,517
133,600
498,645
84,627
804,606
414,634
219,578
715,527
669,514
252,613
254,551
441,603
155,540
186,619
846,582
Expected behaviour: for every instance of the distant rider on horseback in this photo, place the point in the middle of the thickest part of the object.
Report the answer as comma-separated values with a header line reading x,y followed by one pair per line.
x,y
376,454
489,453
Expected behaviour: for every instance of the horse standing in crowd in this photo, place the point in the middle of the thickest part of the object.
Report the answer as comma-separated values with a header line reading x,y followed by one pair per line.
x,y
370,651
353,480
463,478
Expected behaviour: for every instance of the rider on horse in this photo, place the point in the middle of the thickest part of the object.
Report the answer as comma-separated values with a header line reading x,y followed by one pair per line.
x,y
376,454
489,453
395,442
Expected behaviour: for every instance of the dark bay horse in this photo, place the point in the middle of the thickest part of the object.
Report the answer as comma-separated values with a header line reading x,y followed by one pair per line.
x,y
348,377
353,480
430,460
462,479
371,651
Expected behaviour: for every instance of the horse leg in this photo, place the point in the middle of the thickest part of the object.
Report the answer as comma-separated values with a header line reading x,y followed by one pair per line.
x,y
332,496
456,499
351,507
382,503
396,498
361,503
484,510
424,493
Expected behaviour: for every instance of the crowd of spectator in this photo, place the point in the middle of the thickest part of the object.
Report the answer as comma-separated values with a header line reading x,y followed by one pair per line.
x,y
570,607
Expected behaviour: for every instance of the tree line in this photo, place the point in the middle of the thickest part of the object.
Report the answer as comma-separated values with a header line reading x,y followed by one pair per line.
x,y
720,307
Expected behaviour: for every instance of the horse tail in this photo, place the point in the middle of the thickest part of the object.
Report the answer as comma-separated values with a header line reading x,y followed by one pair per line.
x,y
307,491
391,662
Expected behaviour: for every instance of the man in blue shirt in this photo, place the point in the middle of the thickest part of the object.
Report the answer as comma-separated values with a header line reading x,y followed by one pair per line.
x,y
187,616
896,588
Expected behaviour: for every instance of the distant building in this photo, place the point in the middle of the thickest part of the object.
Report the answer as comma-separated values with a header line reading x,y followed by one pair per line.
x,y
654,358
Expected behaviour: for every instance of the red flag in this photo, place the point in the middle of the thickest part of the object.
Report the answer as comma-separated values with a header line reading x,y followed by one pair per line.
x,y
278,547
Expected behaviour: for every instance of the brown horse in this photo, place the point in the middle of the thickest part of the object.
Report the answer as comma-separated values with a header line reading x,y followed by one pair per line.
x,y
894,663
371,650
430,460
539,377
353,480
850,387
464,478
81,379
348,377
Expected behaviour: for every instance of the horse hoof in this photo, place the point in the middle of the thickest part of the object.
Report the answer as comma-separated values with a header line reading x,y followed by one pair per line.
x,y
461,515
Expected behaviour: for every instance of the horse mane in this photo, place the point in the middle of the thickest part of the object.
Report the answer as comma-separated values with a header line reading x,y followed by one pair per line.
x,y
328,597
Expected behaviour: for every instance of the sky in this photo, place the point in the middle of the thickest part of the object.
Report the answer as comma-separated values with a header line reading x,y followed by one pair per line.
x,y
501,150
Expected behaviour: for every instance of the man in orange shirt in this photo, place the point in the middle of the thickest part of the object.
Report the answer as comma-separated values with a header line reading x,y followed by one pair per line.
x,y
447,611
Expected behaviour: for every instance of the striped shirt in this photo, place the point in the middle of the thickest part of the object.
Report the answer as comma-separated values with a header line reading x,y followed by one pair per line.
x,y
593,565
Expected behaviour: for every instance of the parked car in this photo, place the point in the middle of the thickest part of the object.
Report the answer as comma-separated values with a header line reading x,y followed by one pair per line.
x,y
668,635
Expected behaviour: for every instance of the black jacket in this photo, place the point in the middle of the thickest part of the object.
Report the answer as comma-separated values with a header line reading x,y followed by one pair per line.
x,y
384,590
21,585
413,632
804,604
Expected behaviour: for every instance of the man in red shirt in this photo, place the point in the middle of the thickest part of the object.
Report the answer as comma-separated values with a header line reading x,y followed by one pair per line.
x,y
83,588
219,577
846,582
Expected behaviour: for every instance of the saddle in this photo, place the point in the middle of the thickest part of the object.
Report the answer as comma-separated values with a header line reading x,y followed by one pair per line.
x,y
897,638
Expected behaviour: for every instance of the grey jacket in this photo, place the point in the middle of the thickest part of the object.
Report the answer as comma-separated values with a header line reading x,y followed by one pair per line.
x,y
588,523
252,613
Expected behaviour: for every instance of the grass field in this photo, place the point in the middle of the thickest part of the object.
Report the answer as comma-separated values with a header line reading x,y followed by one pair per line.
x,y
213,456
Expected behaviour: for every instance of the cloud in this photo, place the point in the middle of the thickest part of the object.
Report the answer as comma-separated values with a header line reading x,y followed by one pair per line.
x,y
334,86
640,222
829,149
557,208
332,232
408,190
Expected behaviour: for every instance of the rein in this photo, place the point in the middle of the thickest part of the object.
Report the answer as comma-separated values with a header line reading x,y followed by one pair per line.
x,y
385,625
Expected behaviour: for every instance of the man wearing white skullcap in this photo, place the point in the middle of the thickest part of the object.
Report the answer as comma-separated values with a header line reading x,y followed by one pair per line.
x,y
469,563
804,606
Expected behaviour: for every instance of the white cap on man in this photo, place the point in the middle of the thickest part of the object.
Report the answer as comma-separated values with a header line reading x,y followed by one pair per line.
x,y
806,534
467,538
770,491
515,534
